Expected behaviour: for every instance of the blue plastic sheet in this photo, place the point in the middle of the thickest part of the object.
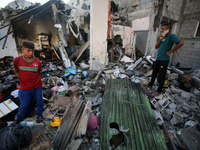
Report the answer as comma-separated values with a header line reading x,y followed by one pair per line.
x,y
69,71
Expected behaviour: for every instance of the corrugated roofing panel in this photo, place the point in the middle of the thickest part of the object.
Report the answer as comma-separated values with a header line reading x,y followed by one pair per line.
x,y
125,104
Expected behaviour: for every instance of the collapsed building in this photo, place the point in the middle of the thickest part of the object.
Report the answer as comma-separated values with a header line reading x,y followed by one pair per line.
x,y
87,45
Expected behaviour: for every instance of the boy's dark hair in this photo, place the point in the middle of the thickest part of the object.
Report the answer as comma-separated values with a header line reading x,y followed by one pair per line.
x,y
167,24
28,44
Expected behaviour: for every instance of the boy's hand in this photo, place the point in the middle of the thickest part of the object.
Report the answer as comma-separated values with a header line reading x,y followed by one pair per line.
x,y
168,53
17,73
161,36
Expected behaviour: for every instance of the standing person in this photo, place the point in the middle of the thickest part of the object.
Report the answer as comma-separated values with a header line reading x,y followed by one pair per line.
x,y
27,69
164,45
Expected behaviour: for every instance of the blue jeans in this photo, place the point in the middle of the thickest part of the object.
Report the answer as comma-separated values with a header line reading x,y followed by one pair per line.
x,y
25,98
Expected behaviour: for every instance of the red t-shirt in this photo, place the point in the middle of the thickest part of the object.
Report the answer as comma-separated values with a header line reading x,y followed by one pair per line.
x,y
29,76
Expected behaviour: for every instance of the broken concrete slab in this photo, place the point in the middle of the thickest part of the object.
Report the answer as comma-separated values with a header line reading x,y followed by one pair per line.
x,y
176,120
196,117
126,59
133,66
167,114
190,123
162,104
158,117
172,76
186,95
190,138
182,115
149,73
172,106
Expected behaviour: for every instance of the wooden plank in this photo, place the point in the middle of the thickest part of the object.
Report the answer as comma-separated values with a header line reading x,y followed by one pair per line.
x,y
80,51
75,144
67,125
82,126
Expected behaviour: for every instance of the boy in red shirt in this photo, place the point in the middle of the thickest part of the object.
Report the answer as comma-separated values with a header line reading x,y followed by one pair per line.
x,y
27,69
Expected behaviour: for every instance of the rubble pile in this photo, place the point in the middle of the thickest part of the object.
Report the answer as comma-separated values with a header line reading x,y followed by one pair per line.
x,y
176,110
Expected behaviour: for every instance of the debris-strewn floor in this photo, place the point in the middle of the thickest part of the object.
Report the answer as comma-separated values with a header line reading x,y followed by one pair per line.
x,y
176,110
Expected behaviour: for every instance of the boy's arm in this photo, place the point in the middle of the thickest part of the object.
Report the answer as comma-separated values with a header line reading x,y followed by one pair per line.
x,y
17,73
40,69
15,67
178,45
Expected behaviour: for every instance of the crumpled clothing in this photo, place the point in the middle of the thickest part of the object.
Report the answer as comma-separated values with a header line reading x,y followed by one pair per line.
x,y
55,88
56,122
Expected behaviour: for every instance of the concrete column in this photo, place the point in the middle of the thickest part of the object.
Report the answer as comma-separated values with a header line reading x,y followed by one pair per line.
x,y
98,34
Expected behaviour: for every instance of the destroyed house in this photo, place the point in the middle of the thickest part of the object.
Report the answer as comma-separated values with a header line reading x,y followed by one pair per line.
x,y
97,59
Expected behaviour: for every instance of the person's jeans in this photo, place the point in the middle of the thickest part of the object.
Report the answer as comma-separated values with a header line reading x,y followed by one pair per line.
x,y
25,98
160,68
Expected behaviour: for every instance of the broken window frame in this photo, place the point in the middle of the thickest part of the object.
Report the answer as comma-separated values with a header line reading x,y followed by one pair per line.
x,y
197,30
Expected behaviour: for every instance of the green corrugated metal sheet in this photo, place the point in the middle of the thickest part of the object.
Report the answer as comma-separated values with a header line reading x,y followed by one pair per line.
x,y
126,104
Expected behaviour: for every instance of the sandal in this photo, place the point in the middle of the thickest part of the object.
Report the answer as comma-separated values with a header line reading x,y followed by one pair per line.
x,y
39,119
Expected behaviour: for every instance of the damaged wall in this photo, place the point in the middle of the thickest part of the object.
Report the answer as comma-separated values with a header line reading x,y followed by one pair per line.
x,y
40,25
189,54
10,48
80,4
127,33
158,11
98,34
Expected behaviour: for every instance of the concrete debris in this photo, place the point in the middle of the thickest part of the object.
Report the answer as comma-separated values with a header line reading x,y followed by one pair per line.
x,y
186,95
126,59
172,106
131,67
189,138
190,123
172,76
158,117
167,114
176,120
149,73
